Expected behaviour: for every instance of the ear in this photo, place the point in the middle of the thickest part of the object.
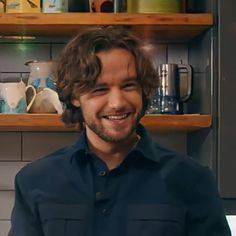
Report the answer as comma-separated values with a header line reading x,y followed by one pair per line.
x,y
75,102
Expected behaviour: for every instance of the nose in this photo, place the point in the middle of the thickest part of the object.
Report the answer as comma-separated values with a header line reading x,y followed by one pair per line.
x,y
116,99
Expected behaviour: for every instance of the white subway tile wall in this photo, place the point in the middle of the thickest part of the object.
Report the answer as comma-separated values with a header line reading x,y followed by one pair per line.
x,y
36,145
180,50
10,146
19,148
56,50
4,227
13,56
7,201
8,171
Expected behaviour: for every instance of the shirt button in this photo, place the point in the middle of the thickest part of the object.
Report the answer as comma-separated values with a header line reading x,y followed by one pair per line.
x,y
102,173
104,211
99,196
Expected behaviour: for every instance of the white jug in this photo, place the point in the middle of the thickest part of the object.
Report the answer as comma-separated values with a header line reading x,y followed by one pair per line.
x,y
46,101
13,97
42,74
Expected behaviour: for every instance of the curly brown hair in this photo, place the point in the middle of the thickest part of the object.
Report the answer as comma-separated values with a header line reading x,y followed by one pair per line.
x,y
79,66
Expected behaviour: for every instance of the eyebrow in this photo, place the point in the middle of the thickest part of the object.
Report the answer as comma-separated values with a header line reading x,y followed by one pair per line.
x,y
132,78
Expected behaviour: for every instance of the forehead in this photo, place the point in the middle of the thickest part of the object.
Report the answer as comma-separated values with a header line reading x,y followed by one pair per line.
x,y
117,63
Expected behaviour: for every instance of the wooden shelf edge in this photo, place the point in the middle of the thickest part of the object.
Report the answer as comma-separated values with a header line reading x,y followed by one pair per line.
x,y
106,19
33,122
164,26
177,123
52,122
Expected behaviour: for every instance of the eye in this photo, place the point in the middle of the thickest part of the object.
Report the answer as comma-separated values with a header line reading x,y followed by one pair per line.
x,y
99,90
131,85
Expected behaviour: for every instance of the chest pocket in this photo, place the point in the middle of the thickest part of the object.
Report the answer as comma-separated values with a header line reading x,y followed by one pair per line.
x,y
63,219
153,220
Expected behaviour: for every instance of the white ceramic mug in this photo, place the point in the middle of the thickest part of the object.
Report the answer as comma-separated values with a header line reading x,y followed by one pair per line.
x,y
13,97
54,6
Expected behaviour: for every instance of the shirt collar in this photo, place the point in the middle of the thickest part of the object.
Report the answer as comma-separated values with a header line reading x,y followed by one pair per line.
x,y
146,146
81,145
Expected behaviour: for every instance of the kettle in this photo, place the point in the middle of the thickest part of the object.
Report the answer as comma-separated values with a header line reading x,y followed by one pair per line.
x,y
169,95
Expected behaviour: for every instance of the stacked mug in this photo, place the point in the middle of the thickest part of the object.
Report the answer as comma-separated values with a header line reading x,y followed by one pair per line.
x,y
13,97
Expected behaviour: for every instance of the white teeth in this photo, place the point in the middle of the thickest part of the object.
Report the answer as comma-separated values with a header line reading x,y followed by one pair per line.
x,y
117,117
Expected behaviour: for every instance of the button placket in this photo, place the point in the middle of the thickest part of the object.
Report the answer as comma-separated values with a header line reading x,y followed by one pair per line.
x,y
99,196
104,211
102,173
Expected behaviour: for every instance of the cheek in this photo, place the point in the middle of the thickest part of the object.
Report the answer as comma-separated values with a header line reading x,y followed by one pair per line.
x,y
90,106
137,99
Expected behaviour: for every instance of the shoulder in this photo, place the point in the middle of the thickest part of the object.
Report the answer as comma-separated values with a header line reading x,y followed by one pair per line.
x,y
47,166
176,160
185,175
167,160
170,164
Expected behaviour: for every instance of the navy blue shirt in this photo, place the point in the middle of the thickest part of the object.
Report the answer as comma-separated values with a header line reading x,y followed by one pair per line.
x,y
154,192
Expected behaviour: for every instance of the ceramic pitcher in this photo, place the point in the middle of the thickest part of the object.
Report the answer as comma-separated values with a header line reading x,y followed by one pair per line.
x,y
13,97
46,101
42,74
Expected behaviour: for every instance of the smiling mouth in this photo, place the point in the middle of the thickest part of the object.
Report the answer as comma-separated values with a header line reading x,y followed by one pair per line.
x,y
117,117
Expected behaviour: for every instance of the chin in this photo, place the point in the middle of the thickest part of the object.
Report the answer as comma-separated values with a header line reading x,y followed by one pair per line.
x,y
117,138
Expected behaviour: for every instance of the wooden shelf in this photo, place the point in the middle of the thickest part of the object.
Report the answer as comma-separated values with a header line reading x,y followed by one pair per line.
x,y
52,122
177,27
177,123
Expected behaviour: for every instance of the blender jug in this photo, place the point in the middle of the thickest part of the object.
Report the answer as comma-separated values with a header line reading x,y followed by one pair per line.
x,y
168,95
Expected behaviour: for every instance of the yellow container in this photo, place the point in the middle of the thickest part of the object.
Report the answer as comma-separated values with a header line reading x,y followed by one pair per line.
x,y
2,6
154,6
23,6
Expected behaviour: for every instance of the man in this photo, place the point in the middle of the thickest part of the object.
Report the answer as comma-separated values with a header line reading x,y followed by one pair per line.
x,y
115,181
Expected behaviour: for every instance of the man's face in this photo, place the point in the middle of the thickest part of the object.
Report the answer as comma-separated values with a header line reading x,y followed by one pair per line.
x,y
112,109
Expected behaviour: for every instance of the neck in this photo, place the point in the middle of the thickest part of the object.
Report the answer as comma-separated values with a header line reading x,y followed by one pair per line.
x,y
112,154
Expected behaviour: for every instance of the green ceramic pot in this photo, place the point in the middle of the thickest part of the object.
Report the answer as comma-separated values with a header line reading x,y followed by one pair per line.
x,y
154,6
